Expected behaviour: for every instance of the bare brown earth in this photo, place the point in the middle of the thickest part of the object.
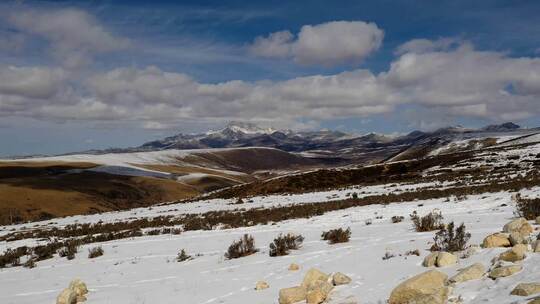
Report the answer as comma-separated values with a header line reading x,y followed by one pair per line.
x,y
38,190
43,190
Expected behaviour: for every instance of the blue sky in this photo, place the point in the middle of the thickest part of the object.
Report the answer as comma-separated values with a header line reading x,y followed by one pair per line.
x,y
94,74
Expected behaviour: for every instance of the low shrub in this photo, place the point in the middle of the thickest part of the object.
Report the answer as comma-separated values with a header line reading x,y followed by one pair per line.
x,y
30,263
335,236
413,252
397,218
95,252
528,208
241,248
450,239
69,251
183,256
429,222
284,243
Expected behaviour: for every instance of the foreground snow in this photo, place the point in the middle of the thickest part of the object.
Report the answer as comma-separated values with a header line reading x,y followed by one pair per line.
x,y
143,270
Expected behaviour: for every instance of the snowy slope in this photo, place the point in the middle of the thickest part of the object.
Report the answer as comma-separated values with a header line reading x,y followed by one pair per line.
x,y
143,270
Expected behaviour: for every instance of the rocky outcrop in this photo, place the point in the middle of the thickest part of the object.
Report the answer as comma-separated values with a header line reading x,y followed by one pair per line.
x,y
446,259
473,272
292,295
75,293
430,260
79,287
504,271
496,240
317,291
526,289
313,275
439,259
516,253
67,296
294,267
314,289
340,279
518,238
261,285
428,287
519,225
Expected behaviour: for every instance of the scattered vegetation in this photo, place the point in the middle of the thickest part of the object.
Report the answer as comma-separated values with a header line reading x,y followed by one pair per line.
x,y
528,208
30,263
397,219
431,221
102,232
183,256
388,256
95,252
69,251
284,243
450,239
335,236
415,252
241,248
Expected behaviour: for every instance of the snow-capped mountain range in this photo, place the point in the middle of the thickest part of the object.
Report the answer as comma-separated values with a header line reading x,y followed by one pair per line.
x,y
327,143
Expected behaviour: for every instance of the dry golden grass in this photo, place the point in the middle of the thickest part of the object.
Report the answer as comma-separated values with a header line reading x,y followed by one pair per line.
x,y
36,191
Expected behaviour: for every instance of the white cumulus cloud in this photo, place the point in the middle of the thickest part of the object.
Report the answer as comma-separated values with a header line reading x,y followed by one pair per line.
x,y
326,44
74,35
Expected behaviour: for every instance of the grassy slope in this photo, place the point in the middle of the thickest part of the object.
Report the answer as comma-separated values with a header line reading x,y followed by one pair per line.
x,y
32,191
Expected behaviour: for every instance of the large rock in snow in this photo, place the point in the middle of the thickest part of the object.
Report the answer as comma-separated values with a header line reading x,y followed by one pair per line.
x,y
518,225
505,271
428,288
516,253
292,295
261,285
79,287
67,296
496,240
526,289
473,272
537,220
340,279
518,238
439,259
430,260
314,275
446,259
317,291
294,267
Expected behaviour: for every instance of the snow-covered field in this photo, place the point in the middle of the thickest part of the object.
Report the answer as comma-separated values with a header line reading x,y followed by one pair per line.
x,y
144,270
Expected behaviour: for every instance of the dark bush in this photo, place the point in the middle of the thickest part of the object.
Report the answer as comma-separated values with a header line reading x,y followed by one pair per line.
x,y
528,208
337,235
397,218
284,243
69,251
241,248
95,252
430,222
183,256
448,239
30,263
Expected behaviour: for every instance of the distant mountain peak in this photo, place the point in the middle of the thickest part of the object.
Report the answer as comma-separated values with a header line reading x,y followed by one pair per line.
x,y
507,126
